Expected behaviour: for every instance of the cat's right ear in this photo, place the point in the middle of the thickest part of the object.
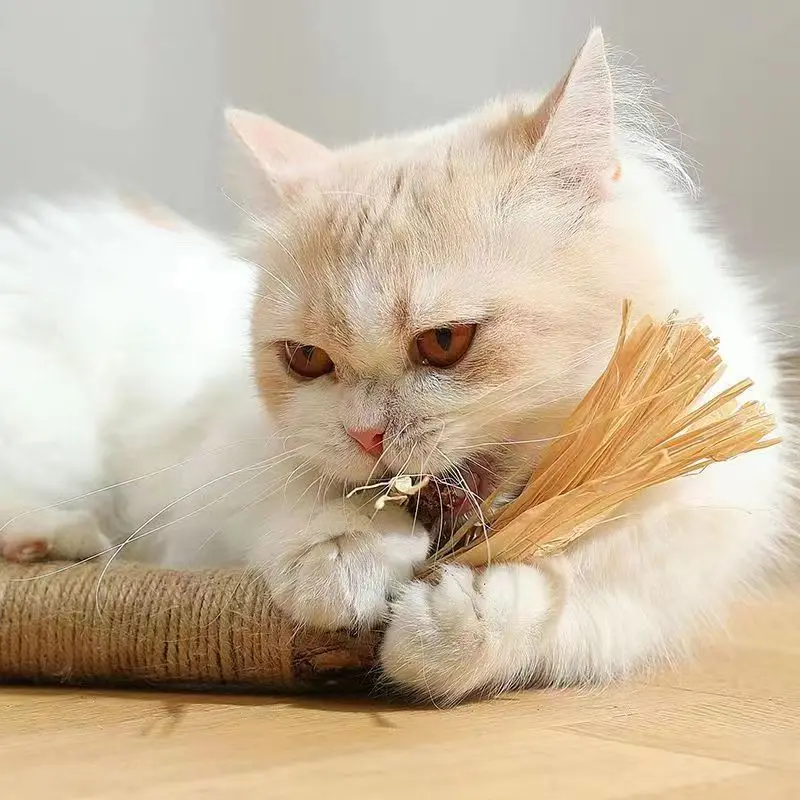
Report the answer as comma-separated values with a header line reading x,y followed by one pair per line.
x,y
278,150
278,159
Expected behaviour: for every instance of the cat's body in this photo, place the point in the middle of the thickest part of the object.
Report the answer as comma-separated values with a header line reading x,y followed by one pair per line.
x,y
126,351
125,340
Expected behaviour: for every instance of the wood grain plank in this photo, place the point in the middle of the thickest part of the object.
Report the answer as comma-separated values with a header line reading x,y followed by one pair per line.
x,y
727,726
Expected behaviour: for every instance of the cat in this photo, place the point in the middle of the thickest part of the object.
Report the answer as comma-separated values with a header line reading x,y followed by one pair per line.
x,y
430,303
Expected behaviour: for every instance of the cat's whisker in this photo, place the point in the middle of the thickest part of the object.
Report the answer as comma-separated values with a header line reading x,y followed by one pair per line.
x,y
386,448
319,482
416,507
218,499
270,274
263,227
367,484
260,225
472,446
292,476
145,476
483,467
146,533
264,466
245,212
266,496
785,334
476,501
579,359
326,486
622,407
441,506
142,531
113,549
460,486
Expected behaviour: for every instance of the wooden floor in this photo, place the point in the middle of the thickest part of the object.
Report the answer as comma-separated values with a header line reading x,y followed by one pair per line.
x,y
727,727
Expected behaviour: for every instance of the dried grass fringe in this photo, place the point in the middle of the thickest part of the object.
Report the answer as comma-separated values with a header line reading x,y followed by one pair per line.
x,y
639,426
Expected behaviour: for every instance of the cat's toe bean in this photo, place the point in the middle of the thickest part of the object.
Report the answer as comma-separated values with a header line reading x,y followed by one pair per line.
x,y
25,550
52,534
470,631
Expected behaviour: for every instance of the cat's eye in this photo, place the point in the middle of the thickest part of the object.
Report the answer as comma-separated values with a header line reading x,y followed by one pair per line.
x,y
446,346
306,360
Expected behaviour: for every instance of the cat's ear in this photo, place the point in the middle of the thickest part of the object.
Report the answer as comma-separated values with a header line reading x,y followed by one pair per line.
x,y
279,160
278,150
571,133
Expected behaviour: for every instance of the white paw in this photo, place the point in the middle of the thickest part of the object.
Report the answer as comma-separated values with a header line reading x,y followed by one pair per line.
x,y
346,581
473,630
52,534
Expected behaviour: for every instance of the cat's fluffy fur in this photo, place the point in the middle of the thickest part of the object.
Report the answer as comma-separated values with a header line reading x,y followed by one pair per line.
x,y
127,349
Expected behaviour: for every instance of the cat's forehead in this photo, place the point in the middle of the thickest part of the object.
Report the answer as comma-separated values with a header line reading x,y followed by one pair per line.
x,y
394,239
394,248
370,305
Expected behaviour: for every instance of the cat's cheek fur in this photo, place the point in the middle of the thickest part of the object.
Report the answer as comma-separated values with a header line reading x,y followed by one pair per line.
x,y
342,568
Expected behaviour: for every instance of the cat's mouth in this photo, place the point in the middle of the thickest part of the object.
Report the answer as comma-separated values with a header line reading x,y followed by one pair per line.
x,y
448,499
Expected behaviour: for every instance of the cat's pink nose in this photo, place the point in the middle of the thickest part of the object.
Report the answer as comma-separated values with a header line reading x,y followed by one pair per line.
x,y
370,440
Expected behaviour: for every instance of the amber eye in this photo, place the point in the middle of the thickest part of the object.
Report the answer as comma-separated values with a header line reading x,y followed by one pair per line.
x,y
306,360
444,347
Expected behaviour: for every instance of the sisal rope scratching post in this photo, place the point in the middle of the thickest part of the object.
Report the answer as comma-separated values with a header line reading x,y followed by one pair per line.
x,y
648,419
145,626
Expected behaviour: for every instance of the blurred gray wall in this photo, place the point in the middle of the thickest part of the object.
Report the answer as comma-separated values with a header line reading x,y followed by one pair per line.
x,y
108,92
129,92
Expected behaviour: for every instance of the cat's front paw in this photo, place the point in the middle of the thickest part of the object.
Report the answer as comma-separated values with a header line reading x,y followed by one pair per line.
x,y
470,631
346,581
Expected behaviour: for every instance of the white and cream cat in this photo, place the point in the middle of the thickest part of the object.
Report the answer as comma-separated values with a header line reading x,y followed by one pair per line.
x,y
426,303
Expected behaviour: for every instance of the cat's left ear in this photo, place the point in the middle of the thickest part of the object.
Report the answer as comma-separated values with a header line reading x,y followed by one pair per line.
x,y
284,156
570,136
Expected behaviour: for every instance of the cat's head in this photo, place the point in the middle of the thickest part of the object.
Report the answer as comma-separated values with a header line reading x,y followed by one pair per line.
x,y
441,299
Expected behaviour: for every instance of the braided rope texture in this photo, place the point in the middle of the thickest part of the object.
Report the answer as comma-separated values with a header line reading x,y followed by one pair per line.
x,y
136,625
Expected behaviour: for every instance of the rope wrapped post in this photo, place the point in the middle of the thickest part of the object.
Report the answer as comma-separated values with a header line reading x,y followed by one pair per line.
x,y
146,626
